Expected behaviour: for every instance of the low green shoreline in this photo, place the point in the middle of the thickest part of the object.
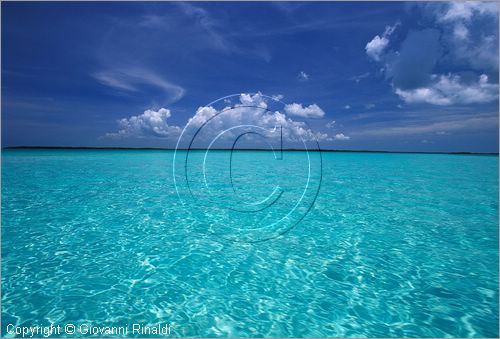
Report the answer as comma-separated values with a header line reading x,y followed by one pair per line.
x,y
225,149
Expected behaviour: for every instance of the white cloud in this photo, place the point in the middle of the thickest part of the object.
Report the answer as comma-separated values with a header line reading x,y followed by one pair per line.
x,y
132,80
257,100
251,110
471,31
341,137
303,76
247,112
148,124
330,124
449,89
463,11
277,97
311,111
375,48
464,37
347,106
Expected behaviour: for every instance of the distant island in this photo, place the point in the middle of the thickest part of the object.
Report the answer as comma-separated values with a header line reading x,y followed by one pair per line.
x,y
227,149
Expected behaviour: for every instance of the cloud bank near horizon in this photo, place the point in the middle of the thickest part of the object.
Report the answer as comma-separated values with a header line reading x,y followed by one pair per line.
x,y
251,110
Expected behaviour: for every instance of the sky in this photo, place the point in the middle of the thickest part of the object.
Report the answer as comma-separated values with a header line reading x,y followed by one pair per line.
x,y
395,76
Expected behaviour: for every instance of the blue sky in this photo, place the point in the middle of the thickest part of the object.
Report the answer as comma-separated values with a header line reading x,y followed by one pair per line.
x,y
370,75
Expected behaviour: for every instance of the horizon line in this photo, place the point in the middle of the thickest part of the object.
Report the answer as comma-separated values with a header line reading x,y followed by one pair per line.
x,y
239,149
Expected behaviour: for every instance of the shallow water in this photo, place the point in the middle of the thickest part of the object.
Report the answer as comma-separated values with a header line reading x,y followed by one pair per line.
x,y
394,245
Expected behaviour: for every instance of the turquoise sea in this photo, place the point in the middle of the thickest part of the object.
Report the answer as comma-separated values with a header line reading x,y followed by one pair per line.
x,y
395,245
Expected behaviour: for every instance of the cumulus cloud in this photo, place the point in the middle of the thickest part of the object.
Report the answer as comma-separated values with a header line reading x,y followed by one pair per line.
x,y
257,100
254,110
249,110
441,65
450,89
151,123
470,30
375,48
341,136
311,111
